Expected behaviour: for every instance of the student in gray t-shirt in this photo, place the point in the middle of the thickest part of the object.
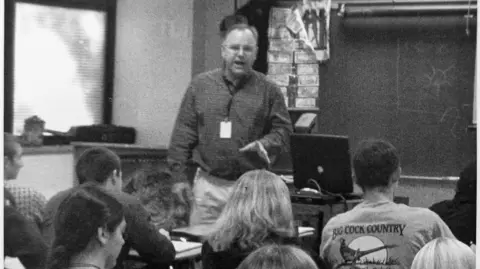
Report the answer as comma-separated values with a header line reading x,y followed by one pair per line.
x,y
378,233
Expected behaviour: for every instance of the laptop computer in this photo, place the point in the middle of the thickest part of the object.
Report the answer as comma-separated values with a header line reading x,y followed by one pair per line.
x,y
323,158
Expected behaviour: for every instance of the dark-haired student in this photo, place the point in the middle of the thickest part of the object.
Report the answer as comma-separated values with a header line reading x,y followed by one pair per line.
x,y
379,232
102,167
258,213
22,239
89,228
29,202
460,213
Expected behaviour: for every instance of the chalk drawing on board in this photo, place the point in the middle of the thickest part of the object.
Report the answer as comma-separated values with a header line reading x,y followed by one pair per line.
x,y
418,46
450,112
442,48
436,80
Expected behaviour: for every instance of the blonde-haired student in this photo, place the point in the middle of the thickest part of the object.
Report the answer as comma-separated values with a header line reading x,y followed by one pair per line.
x,y
259,212
278,257
444,253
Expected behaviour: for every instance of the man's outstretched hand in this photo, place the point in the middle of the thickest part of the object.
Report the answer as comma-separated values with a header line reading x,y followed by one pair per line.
x,y
257,147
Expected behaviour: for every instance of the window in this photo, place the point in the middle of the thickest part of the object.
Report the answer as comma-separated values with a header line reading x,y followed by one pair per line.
x,y
58,62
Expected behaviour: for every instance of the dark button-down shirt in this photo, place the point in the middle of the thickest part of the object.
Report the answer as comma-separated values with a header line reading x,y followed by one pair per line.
x,y
256,109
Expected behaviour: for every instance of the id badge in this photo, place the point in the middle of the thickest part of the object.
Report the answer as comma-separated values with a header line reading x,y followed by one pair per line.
x,y
226,129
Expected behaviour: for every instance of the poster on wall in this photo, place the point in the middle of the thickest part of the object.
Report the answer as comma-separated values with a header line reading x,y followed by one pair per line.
x,y
298,43
315,16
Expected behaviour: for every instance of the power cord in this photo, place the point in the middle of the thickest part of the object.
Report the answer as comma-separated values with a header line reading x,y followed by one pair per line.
x,y
323,192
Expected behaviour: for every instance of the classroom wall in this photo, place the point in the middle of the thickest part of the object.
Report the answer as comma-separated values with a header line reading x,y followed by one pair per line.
x,y
148,91
215,11
424,193
47,173
159,46
153,65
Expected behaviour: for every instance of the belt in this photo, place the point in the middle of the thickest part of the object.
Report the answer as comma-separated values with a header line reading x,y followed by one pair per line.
x,y
229,177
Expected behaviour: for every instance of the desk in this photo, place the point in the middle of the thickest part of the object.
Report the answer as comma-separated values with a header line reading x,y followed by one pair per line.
x,y
187,252
12,263
195,233
198,233
315,211
184,250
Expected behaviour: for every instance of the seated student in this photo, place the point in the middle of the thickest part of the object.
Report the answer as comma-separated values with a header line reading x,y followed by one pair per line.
x,y
29,202
379,232
258,212
444,253
460,213
167,199
278,257
22,239
89,228
102,167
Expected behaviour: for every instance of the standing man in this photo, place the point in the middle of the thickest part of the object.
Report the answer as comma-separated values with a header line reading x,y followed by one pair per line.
x,y
231,120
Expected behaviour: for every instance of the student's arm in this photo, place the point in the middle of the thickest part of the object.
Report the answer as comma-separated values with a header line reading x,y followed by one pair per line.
x,y
440,228
184,135
207,257
39,202
23,240
145,239
276,140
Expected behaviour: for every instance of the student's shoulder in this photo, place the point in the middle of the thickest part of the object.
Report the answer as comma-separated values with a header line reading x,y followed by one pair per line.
x,y
442,206
340,219
127,199
57,198
16,189
262,78
420,215
413,211
208,76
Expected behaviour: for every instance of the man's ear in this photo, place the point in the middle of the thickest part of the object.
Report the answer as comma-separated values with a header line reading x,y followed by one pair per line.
x,y
102,235
6,160
114,176
395,177
354,177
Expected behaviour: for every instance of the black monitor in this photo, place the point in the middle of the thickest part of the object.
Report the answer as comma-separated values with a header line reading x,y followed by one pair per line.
x,y
328,153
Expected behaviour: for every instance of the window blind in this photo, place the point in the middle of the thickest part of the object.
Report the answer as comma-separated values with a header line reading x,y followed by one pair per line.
x,y
59,56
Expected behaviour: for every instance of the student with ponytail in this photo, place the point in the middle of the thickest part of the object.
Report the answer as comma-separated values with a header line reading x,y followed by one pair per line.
x,y
89,227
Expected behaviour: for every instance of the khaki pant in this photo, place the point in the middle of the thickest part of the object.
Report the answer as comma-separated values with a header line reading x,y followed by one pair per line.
x,y
210,194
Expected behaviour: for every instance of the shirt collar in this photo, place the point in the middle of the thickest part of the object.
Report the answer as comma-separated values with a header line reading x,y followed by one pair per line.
x,y
239,83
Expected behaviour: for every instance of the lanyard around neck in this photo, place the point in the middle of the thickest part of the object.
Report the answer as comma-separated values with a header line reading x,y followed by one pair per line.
x,y
84,265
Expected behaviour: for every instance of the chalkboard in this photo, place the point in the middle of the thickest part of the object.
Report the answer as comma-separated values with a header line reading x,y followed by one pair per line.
x,y
408,80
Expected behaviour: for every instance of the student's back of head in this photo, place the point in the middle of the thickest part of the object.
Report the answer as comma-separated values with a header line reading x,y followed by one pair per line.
x,y
278,257
444,253
167,199
12,156
376,164
259,207
89,223
99,165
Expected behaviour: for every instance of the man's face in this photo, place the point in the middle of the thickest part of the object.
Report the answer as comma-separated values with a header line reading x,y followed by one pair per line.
x,y
12,165
239,52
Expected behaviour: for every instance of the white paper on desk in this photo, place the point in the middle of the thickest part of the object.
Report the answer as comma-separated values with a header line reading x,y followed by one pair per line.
x,y
12,263
181,246
305,230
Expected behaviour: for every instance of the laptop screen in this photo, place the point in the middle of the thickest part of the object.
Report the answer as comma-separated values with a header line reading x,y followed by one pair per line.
x,y
323,158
